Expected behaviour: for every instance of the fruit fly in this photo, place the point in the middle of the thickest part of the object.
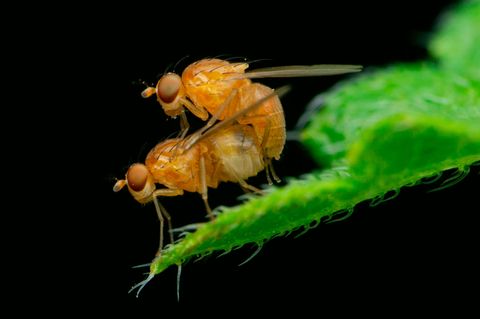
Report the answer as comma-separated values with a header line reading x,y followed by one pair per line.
x,y
206,84
219,152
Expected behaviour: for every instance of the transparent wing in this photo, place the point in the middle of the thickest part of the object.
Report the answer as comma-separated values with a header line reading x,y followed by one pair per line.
x,y
292,71
201,134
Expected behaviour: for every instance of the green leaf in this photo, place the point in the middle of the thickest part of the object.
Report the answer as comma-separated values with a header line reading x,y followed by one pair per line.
x,y
384,130
456,44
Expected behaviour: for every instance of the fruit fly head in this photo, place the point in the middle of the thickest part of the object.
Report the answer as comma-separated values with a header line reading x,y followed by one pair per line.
x,y
139,182
170,93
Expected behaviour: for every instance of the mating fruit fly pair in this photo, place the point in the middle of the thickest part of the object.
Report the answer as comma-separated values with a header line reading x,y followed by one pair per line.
x,y
245,132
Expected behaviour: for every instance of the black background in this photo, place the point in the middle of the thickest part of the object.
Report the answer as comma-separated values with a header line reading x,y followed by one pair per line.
x,y
414,248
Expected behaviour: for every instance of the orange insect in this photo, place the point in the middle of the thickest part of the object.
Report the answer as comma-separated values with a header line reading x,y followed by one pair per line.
x,y
224,152
206,84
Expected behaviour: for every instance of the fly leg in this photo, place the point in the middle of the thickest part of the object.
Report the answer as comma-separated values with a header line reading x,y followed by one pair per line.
x,y
204,188
160,218
220,110
184,126
270,171
245,186
249,187
198,111
195,136
162,212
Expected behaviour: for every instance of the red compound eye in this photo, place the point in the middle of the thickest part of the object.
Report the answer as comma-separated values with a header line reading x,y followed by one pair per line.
x,y
137,176
168,87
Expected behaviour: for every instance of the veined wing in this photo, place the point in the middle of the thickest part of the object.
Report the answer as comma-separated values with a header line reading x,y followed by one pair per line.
x,y
201,134
292,71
